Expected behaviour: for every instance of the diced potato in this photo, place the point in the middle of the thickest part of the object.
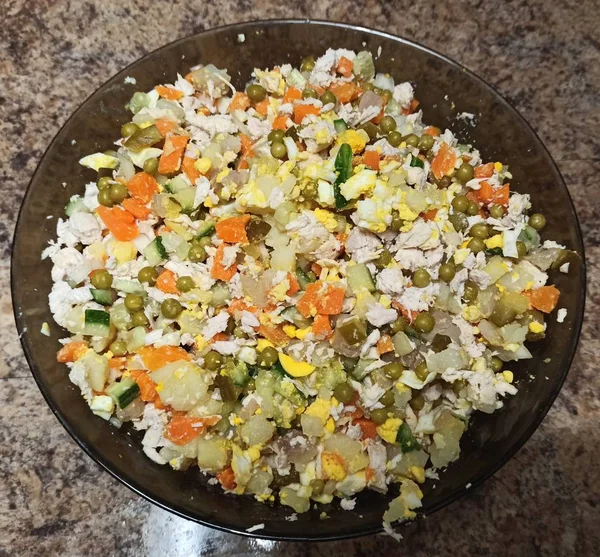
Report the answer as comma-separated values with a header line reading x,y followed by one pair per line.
x,y
259,482
343,445
257,430
402,344
180,385
290,497
445,448
311,425
97,370
516,280
283,259
414,458
496,268
213,454
446,359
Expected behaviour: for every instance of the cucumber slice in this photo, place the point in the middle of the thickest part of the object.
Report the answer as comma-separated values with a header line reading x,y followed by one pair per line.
x,y
104,297
75,205
97,323
416,161
155,252
185,198
359,277
340,125
239,374
292,315
128,286
407,440
304,278
176,184
220,294
206,228
124,392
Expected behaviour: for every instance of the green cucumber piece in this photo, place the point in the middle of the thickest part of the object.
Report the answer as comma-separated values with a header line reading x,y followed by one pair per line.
x,y
416,161
128,286
359,277
206,228
124,392
97,323
292,315
407,440
176,184
304,278
75,205
105,297
185,198
340,125
155,252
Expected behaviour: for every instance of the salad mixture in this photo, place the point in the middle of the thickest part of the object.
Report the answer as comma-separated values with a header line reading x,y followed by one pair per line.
x,y
301,289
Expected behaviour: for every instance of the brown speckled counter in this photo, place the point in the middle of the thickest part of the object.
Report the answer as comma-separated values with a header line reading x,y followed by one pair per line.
x,y
542,55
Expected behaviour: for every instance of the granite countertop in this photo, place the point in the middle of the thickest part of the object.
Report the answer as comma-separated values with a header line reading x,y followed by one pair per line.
x,y
543,55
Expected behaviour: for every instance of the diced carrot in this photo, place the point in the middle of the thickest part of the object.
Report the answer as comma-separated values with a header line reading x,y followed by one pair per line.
x,y
357,413
490,196
142,187
168,93
307,305
301,111
321,298
291,95
484,170
371,159
220,337
239,305
227,479
136,208
280,123
406,313
316,269
275,334
346,92
385,345
369,473
414,104
167,282
433,131
183,429
170,160
262,107
443,163
158,403
345,66
240,101
367,427
544,298
341,237
190,170
220,272
188,77
322,326
246,145
430,214
146,385
156,357
165,126
72,351
233,229
243,163
117,363
294,285
120,222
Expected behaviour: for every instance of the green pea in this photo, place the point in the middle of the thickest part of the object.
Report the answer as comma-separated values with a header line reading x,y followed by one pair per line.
x,y
185,284
371,129
394,138
393,370
465,173
344,393
447,272
171,308
460,204
480,230
471,291
412,140
139,319
205,241
328,98
424,322
417,403
397,223
387,95
276,135
309,94
257,229
317,487
238,332
387,124
443,183
278,150
102,279
256,92
230,326
476,245
151,166
473,208
148,275
421,278
379,415
384,259
308,64
118,348
521,249
537,221
426,143
398,325
213,360
104,182
134,302
497,211
368,87
197,254
497,364
387,399
129,129
104,198
421,371
118,192
268,357
458,221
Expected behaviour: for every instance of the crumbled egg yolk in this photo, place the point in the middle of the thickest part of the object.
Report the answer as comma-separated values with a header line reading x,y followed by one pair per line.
x,y
406,213
203,165
289,330
301,333
496,241
363,182
295,368
261,344
388,430
508,376
471,314
536,327
354,138
327,219
201,342
279,292
418,473
497,166
333,466
330,425
98,161
319,409
460,255
385,301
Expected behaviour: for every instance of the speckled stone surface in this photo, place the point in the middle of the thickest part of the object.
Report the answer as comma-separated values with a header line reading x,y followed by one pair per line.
x,y
543,55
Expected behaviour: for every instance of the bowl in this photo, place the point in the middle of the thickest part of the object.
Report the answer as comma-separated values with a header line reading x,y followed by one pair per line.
x,y
445,89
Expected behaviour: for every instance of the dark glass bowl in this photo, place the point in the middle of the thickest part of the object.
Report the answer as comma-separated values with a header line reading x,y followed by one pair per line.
x,y
445,89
